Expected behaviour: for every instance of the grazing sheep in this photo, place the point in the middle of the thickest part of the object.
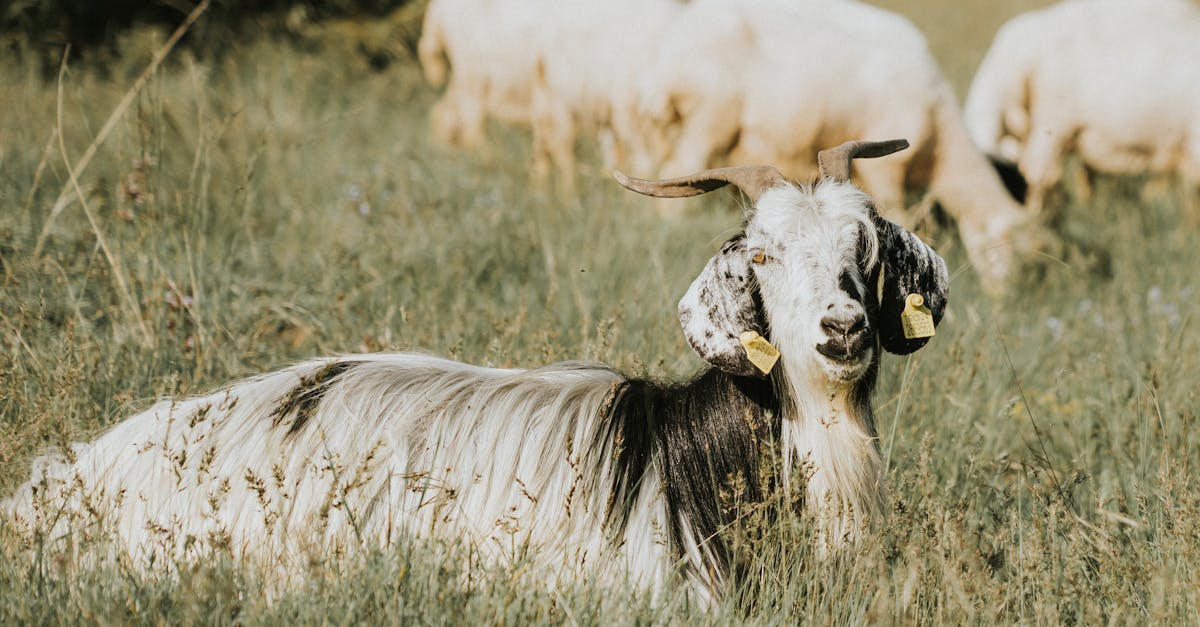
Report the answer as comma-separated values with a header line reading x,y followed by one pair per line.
x,y
556,66
599,472
769,81
480,50
1114,81
676,87
583,80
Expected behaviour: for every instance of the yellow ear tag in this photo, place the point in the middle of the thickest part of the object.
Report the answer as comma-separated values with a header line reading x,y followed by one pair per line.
x,y
759,351
916,318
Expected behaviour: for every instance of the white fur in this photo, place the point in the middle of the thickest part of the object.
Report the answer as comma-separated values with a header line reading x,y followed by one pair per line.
x,y
558,66
809,235
405,442
479,50
812,232
1111,80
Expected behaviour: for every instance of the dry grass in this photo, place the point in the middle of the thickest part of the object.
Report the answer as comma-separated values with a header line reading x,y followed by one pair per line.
x,y
279,204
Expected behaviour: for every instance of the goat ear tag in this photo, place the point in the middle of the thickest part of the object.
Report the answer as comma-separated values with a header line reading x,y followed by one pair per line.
x,y
759,351
916,318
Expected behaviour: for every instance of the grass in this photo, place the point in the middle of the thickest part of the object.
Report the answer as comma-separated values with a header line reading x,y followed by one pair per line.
x,y
279,204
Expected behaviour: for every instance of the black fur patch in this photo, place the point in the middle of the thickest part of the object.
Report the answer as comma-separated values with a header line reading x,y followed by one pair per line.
x,y
909,267
851,287
725,299
303,399
704,434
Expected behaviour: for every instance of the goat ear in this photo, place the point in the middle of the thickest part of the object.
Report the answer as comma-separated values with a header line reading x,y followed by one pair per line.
x,y
909,266
719,306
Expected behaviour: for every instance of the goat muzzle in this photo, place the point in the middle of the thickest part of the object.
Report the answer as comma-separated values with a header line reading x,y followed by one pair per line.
x,y
849,338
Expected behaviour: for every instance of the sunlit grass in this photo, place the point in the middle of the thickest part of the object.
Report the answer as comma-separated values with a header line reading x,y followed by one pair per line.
x,y
280,204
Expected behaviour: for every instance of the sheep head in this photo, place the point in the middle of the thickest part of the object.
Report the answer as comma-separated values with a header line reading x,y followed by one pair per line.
x,y
815,270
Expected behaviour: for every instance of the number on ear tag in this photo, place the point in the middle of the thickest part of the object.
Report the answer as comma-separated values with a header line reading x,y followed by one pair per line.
x,y
759,351
916,318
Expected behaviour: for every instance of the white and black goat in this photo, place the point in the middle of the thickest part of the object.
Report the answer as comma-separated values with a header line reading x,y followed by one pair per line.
x,y
603,475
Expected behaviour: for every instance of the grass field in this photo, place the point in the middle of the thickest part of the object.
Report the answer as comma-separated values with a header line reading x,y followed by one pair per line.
x,y
282,203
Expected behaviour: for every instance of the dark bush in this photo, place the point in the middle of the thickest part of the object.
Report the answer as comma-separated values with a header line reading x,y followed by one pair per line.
x,y
39,30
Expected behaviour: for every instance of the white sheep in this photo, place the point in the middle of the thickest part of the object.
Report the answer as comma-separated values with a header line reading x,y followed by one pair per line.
x,y
599,473
480,50
588,54
560,67
768,81
1114,81
720,81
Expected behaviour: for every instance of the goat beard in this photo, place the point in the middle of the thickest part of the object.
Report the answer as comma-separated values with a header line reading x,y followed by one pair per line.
x,y
828,436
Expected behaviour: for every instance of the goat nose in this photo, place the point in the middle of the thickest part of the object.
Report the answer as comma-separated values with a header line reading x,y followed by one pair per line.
x,y
843,326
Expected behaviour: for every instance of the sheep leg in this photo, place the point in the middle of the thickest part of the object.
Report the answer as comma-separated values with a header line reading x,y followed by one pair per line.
x,y
610,152
705,134
443,120
553,142
709,132
624,146
1042,165
457,119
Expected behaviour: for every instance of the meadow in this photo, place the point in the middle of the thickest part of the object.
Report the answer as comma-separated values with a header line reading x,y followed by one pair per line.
x,y
284,200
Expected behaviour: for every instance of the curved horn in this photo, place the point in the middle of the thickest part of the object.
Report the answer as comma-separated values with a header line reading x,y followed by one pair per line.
x,y
752,180
835,162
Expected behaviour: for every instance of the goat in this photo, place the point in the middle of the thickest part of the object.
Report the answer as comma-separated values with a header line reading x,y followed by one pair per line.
x,y
1107,79
602,473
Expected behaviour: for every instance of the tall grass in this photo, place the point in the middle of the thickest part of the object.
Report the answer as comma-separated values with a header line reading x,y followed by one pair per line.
x,y
279,204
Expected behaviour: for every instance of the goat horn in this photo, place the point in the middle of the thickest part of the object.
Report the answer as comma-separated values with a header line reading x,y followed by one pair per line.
x,y
835,162
752,180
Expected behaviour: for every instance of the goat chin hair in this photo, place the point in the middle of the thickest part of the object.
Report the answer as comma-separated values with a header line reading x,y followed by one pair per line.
x,y
587,465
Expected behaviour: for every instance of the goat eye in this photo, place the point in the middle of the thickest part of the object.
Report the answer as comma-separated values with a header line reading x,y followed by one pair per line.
x,y
759,257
